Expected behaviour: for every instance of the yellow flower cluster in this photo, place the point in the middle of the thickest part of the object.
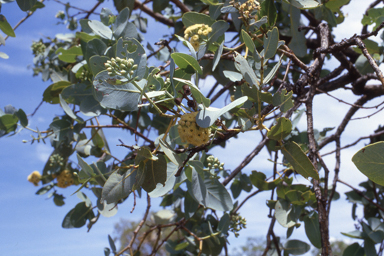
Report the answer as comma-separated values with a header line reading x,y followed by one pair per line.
x,y
190,132
197,33
34,178
65,179
248,7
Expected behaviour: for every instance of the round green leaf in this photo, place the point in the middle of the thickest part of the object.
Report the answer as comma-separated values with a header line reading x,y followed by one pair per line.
x,y
370,161
299,160
186,62
296,247
5,27
280,130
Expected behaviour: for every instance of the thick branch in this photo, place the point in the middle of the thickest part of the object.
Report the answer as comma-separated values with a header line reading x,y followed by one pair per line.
x,y
155,15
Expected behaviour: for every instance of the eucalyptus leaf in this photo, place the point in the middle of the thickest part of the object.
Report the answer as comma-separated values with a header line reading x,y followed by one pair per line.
x,y
114,94
208,116
299,160
199,97
370,161
242,65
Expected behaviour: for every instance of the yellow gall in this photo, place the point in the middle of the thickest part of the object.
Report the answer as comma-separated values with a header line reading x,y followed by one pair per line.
x,y
65,179
190,132
34,178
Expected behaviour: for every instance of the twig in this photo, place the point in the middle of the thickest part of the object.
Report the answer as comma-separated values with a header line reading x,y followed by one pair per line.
x,y
155,15
246,199
362,194
22,20
129,247
371,61
246,161
357,141
182,6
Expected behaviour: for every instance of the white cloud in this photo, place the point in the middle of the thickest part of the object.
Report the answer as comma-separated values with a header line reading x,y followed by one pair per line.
x,y
43,151
14,69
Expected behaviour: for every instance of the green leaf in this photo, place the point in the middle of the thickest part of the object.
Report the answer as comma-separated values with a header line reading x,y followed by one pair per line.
x,y
26,5
133,49
4,55
370,161
218,30
270,43
296,247
112,244
82,95
233,76
69,55
242,65
51,94
303,4
283,100
120,186
199,97
299,160
248,40
22,117
159,5
192,18
100,29
5,27
186,62
273,71
354,250
258,179
281,129
254,94
8,123
86,170
107,210
62,129
168,151
122,27
369,248
208,116
210,193
190,206
67,109
214,11
363,65
189,45
282,213
298,42
217,56
211,2
268,9
312,229
114,94
77,217
155,172
96,63
169,183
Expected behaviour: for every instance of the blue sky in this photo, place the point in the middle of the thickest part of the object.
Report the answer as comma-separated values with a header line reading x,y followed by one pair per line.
x,y
31,224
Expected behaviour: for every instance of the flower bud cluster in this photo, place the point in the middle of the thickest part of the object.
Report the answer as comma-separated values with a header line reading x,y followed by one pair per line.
x,y
60,15
65,179
246,9
121,67
38,48
237,224
190,132
214,163
85,75
197,34
34,178
56,159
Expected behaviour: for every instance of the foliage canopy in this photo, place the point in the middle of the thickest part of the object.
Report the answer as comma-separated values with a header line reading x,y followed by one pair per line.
x,y
269,57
